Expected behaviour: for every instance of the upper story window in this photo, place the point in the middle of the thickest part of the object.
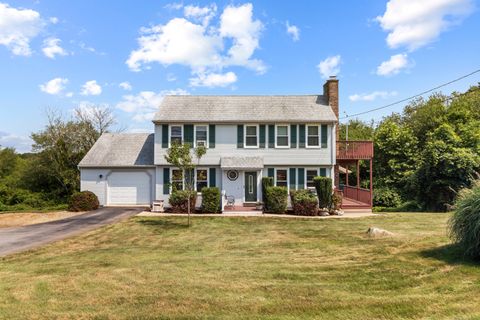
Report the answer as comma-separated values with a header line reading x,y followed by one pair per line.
x,y
177,179
201,134
201,179
176,134
282,136
281,178
313,136
251,136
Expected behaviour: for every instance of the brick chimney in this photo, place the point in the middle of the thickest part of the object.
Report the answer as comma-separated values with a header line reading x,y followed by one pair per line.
x,y
330,91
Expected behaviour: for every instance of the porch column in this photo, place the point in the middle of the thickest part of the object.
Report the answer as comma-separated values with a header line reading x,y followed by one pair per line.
x,y
346,178
371,182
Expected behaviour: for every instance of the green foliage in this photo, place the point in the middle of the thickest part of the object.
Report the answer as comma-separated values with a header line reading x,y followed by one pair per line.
x,y
178,200
211,200
386,197
277,198
336,201
464,225
357,130
408,206
304,202
266,182
8,162
83,201
323,186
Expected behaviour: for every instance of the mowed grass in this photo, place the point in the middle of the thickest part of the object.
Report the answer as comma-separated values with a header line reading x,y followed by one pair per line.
x,y
246,268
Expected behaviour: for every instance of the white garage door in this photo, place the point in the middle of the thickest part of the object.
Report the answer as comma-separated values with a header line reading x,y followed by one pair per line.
x,y
129,188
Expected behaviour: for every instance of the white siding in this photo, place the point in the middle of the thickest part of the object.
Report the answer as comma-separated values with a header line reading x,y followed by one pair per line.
x,y
226,145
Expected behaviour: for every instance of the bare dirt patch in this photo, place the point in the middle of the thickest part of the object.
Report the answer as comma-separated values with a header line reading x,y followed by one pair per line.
x,y
19,219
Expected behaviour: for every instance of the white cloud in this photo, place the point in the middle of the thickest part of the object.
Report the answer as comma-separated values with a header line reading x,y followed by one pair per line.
x,y
413,23
293,31
171,77
202,14
372,96
54,86
125,85
20,143
330,66
146,103
394,65
174,6
18,27
214,80
91,88
201,45
51,48
53,20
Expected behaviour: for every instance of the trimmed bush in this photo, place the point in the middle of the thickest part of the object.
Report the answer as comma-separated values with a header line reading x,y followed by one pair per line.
x,y
323,186
464,225
386,197
211,200
277,198
304,203
266,182
178,200
83,201
337,201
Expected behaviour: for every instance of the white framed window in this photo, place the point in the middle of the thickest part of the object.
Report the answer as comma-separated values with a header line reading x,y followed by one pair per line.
x,y
177,180
282,135
201,136
201,179
309,175
281,177
313,136
176,134
251,136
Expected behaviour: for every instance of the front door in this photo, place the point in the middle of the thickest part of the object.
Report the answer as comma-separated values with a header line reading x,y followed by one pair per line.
x,y
250,187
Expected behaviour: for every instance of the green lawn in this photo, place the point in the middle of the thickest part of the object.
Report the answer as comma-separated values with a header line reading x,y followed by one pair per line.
x,y
239,268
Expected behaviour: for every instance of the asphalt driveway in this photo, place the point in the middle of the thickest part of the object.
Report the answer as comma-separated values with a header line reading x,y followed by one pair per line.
x,y
27,237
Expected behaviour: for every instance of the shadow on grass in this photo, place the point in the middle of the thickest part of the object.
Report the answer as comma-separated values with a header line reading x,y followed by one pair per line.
x,y
164,224
450,253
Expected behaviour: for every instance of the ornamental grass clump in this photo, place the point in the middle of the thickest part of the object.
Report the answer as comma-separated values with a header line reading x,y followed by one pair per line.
x,y
464,225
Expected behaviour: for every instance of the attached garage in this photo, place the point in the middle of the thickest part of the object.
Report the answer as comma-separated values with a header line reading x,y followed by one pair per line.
x,y
129,188
119,169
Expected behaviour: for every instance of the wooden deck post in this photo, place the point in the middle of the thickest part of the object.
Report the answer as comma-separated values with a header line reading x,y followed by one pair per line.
x,y
371,182
358,173
346,171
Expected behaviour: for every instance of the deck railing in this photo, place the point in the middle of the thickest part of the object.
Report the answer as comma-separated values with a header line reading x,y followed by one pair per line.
x,y
359,194
353,150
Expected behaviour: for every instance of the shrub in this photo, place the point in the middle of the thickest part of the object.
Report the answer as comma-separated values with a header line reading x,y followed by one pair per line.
x,y
83,201
386,197
464,225
304,203
337,200
179,201
323,185
277,198
211,200
266,182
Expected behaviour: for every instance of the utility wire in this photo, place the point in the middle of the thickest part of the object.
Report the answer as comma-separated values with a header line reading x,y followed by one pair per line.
x,y
414,96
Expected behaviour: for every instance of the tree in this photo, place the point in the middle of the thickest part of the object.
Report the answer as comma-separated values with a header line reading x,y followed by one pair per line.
x,y
8,161
181,157
357,130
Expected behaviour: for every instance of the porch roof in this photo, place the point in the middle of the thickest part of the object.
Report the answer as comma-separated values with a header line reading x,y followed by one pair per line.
x,y
239,163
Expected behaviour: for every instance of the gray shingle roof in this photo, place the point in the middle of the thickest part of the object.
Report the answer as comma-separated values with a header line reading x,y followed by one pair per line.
x,y
120,150
230,109
241,163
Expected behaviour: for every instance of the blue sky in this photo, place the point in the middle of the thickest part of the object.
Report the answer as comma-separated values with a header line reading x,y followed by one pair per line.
x,y
128,54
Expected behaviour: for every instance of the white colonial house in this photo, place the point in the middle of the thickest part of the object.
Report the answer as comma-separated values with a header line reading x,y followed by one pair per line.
x,y
291,138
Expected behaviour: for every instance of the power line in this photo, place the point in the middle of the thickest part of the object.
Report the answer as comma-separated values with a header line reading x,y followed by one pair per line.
x,y
414,96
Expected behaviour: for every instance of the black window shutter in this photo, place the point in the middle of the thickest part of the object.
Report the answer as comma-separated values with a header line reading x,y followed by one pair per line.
x,y
212,177
271,136
323,172
211,136
324,137
301,178
271,172
262,136
164,135
188,134
240,136
293,136
301,133
166,180
293,178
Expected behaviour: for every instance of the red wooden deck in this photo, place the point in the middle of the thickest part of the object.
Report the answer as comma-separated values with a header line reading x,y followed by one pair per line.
x,y
354,150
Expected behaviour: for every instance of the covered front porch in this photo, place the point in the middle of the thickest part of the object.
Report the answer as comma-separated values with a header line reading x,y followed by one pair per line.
x,y
354,174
